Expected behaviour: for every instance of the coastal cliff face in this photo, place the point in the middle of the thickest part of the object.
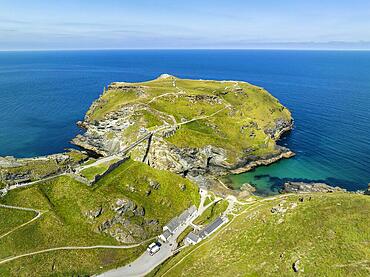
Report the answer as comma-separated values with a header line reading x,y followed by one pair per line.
x,y
13,171
191,127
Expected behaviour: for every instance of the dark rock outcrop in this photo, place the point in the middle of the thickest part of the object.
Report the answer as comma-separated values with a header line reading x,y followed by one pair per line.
x,y
300,187
367,192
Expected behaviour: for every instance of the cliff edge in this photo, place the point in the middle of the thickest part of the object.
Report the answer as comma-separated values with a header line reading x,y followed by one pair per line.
x,y
191,127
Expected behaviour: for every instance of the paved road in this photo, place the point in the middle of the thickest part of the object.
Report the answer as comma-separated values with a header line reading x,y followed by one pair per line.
x,y
146,263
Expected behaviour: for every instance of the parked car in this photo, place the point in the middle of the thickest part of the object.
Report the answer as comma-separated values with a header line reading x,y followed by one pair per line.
x,y
153,248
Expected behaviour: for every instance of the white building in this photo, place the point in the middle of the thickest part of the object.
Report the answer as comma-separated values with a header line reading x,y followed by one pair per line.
x,y
165,236
176,222
192,238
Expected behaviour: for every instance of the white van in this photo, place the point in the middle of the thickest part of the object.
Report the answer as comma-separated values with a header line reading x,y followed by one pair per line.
x,y
153,248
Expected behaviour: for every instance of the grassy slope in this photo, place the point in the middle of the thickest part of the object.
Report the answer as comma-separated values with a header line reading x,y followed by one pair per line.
x,y
65,224
329,234
168,195
233,129
10,218
93,171
212,213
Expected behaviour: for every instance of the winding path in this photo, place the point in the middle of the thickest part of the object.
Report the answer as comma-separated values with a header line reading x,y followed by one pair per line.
x,y
75,248
38,214
252,207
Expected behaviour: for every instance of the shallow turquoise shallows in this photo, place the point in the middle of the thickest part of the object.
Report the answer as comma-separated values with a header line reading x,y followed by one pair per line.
x,y
43,94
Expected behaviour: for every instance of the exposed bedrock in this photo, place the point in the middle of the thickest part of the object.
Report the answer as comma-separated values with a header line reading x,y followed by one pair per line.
x,y
256,121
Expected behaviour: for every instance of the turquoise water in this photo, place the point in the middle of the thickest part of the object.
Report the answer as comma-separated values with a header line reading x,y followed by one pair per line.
x,y
43,94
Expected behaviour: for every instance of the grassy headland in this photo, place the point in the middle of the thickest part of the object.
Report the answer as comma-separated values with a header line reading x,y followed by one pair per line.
x,y
238,117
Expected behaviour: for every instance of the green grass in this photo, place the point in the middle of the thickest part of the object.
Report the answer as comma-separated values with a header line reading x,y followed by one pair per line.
x,y
71,262
110,102
11,218
208,200
329,234
210,214
89,161
91,172
151,119
239,128
65,223
77,156
162,204
183,235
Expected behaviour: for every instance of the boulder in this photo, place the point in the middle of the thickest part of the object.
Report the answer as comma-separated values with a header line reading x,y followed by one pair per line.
x,y
296,267
182,187
154,184
95,213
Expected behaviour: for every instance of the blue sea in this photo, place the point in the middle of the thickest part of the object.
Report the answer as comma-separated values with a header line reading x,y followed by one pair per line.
x,y
43,94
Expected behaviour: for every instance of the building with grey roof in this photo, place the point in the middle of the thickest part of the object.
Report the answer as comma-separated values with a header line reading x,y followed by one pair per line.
x,y
185,215
165,236
209,229
175,223
192,238
172,226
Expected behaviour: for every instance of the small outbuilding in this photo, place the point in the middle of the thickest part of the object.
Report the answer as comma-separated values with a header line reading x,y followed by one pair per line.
x,y
165,236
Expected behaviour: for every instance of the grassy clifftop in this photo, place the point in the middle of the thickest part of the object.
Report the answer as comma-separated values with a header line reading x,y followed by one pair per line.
x,y
325,235
241,120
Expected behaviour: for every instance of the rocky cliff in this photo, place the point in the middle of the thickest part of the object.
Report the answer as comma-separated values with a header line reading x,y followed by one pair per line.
x,y
195,128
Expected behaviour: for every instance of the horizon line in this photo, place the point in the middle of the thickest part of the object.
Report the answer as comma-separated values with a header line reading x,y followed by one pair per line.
x,y
189,49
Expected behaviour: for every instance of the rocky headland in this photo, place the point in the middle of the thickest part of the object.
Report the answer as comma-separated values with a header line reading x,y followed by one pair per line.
x,y
196,128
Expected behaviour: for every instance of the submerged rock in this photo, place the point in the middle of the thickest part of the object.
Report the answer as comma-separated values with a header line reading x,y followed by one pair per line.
x,y
248,187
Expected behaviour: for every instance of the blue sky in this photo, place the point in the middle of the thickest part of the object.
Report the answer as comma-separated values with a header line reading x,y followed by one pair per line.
x,y
113,24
